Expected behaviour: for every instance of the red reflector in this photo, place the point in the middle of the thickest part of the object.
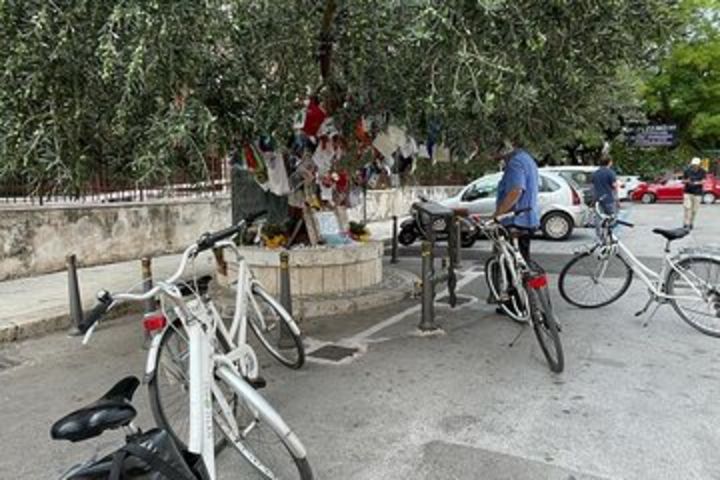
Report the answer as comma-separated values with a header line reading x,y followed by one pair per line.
x,y
154,322
538,282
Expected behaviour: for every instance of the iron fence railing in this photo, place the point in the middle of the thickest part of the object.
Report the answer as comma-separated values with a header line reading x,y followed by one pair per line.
x,y
102,188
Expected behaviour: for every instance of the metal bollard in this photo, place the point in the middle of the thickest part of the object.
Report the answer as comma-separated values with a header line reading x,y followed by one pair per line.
x,y
427,319
394,250
220,261
285,339
76,313
146,269
456,245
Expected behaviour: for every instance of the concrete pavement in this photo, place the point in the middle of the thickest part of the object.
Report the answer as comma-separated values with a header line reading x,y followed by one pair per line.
x,y
634,403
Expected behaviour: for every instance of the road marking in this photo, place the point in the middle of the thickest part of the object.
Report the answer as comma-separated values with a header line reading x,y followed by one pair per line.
x,y
362,339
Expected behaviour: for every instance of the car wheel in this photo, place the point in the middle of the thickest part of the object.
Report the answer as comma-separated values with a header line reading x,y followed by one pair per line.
x,y
708,197
557,225
407,236
467,239
647,198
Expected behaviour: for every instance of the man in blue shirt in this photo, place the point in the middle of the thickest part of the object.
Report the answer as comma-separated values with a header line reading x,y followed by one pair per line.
x,y
518,190
604,183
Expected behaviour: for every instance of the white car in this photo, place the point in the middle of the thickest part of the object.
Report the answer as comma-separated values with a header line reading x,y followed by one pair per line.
x,y
561,207
626,185
581,175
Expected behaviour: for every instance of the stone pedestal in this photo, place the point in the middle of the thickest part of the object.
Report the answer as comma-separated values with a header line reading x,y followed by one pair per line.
x,y
321,270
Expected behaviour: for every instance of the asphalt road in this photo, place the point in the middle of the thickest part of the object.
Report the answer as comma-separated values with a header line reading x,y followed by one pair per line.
x,y
633,403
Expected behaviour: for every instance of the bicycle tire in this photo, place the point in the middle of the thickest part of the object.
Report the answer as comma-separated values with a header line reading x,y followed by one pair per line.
x,y
160,411
270,335
567,272
672,284
251,403
510,307
546,328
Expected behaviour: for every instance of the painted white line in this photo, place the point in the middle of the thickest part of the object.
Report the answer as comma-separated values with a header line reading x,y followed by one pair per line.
x,y
362,339
364,335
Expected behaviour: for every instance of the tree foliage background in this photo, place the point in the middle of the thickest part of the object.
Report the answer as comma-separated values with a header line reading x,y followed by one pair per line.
x,y
146,87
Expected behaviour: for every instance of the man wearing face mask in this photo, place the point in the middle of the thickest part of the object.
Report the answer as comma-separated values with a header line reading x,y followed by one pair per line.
x,y
518,190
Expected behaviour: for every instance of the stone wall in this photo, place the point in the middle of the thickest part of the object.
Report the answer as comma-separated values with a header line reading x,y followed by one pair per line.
x,y
317,271
36,240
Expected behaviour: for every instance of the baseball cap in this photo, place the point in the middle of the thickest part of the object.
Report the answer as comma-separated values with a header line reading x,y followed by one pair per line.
x,y
695,161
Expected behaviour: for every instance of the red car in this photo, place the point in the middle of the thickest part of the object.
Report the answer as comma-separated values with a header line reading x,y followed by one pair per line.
x,y
672,191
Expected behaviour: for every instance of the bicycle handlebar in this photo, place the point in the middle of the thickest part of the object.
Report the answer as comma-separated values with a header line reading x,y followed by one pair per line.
x,y
478,220
208,240
612,218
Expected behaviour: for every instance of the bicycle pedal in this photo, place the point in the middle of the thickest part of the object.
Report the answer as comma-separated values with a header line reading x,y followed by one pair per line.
x,y
257,383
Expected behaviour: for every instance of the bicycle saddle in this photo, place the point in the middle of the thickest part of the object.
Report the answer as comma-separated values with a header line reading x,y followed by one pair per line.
x,y
112,410
671,234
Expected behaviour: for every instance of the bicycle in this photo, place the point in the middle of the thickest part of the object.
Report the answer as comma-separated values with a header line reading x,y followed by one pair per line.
x,y
144,453
213,371
521,289
601,274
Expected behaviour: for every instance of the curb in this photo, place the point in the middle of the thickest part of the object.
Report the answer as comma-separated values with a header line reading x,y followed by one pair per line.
x,y
23,329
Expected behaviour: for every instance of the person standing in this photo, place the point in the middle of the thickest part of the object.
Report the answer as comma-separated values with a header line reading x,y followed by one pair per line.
x,y
693,178
518,190
604,183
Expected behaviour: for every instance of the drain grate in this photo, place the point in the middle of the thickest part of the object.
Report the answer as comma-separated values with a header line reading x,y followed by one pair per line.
x,y
7,363
334,353
460,300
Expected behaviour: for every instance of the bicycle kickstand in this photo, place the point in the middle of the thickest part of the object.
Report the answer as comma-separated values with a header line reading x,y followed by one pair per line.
x,y
645,308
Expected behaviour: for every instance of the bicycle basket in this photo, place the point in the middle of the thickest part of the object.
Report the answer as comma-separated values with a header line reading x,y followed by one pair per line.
x,y
152,455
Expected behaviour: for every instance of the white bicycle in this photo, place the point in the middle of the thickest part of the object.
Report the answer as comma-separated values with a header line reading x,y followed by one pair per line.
x,y
689,280
202,374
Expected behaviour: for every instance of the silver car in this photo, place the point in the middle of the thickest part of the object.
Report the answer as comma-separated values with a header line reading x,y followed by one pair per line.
x,y
561,208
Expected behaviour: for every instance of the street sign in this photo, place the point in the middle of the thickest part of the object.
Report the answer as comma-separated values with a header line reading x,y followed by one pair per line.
x,y
651,135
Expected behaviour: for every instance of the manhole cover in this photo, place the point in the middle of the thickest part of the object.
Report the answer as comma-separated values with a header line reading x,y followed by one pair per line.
x,y
6,363
334,353
446,300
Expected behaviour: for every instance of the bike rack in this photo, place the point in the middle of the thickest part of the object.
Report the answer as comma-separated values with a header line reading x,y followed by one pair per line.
x,y
430,212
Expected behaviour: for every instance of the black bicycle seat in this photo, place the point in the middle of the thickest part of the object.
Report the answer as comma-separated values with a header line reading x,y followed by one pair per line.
x,y
671,234
112,410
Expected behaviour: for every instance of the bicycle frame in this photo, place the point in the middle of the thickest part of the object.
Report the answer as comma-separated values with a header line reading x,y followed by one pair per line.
x,y
653,280
201,321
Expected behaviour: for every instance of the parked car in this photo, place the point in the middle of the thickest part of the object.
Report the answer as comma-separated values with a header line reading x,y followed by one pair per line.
x,y
629,183
581,175
672,190
561,207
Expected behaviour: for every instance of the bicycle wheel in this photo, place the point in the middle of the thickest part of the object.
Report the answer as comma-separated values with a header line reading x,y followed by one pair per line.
x,y
594,279
698,287
270,449
275,328
516,305
169,388
546,328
